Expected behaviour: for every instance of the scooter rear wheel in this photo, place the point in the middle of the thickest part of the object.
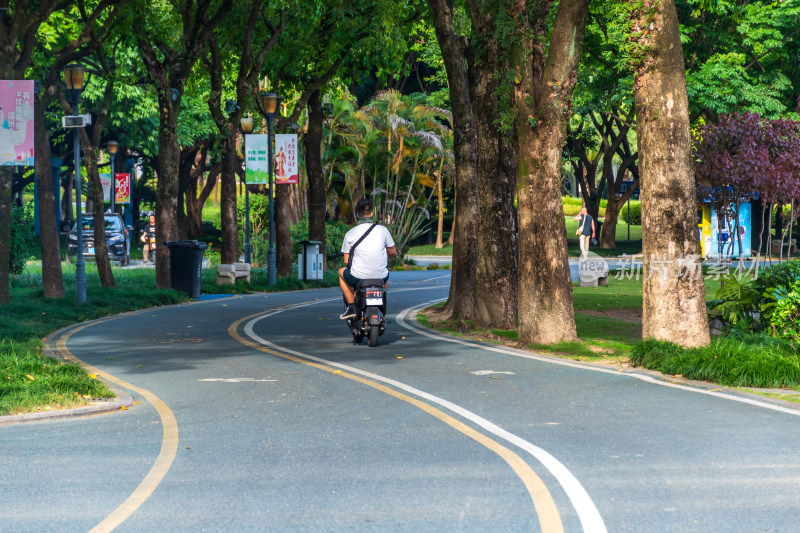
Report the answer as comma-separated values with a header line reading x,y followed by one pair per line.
x,y
374,331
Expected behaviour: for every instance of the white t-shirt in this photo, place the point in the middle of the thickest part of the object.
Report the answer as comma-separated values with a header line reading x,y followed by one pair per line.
x,y
370,259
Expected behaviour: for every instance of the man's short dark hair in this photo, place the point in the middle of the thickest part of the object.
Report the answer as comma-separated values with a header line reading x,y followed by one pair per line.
x,y
364,207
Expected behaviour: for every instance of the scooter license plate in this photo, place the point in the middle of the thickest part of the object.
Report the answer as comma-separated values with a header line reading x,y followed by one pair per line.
x,y
374,301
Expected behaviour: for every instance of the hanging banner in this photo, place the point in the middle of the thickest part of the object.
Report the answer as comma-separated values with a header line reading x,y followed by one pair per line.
x,y
286,159
256,160
16,123
123,181
105,180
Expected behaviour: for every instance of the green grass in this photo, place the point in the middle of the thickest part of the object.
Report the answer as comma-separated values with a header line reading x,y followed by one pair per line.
x,y
736,360
430,249
29,381
210,211
601,337
619,294
33,383
624,246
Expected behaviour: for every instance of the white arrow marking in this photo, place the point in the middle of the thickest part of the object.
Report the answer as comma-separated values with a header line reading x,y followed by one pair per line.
x,y
487,372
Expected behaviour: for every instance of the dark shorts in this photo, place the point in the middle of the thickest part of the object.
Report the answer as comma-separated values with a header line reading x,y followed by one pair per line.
x,y
353,281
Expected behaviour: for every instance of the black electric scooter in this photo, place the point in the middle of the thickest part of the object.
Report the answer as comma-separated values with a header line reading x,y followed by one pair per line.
x,y
370,304
369,301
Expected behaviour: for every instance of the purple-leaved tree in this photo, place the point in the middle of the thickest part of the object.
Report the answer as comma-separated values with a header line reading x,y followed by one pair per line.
x,y
742,155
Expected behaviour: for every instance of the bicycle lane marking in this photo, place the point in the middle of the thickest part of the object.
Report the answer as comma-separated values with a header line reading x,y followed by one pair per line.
x,y
169,440
546,510
586,509
590,518
401,317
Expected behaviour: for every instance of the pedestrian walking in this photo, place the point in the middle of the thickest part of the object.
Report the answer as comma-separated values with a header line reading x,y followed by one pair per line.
x,y
585,231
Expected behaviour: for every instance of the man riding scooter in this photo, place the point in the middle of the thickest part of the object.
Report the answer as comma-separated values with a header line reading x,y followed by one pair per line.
x,y
373,246
149,238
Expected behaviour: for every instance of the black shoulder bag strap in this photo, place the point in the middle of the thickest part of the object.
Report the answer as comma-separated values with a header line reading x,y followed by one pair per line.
x,y
353,248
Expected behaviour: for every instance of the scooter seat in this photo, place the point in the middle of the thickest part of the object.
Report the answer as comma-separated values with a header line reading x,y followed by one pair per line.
x,y
369,283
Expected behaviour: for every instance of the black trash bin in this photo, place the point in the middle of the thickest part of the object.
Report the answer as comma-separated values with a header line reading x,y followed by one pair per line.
x,y
185,266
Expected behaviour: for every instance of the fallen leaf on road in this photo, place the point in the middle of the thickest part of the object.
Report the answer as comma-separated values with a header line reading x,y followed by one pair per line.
x,y
337,371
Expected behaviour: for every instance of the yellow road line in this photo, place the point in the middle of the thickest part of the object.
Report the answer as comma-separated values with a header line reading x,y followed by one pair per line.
x,y
546,510
169,442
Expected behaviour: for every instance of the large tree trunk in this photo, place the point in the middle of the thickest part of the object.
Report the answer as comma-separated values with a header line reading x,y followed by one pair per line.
x,y
192,167
496,270
228,218
52,277
608,236
169,157
312,141
440,208
461,301
674,305
283,237
543,100
98,215
6,182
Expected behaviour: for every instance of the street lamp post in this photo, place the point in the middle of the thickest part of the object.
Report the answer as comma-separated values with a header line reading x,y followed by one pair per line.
x,y
74,76
112,151
268,104
246,123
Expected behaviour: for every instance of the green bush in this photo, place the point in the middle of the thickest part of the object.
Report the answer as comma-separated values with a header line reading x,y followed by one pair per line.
x,y
779,274
572,206
23,241
635,218
736,301
782,310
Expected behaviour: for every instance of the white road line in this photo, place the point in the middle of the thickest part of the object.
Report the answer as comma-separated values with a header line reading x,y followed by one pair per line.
x,y
589,516
400,319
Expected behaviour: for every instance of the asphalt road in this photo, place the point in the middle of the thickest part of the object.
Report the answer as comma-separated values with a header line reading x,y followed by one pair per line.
x,y
258,413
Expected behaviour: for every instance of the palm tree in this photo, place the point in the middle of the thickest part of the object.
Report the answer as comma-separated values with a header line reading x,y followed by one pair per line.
x,y
344,148
398,148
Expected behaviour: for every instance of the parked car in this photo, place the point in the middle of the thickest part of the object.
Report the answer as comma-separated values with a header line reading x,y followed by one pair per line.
x,y
118,242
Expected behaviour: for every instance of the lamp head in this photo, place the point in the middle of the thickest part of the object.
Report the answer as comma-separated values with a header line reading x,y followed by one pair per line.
x,y
269,102
247,124
74,76
112,147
